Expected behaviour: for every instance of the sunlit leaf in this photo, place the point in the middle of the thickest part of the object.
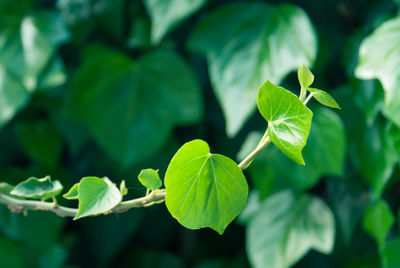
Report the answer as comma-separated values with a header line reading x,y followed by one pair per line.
x,y
204,189
150,179
38,188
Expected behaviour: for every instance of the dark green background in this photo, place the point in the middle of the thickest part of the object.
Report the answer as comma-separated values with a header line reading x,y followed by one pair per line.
x,y
55,133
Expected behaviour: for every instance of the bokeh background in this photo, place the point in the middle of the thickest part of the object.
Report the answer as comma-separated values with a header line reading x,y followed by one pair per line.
x,y
108,87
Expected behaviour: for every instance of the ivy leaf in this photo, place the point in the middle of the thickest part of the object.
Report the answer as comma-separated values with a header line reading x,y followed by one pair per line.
x,y
166,14
96,196
247,43
378,58
73,193
305,76
324,98
150,179
286,227
35,188
204,189
377,221
5,188
144,100
289,120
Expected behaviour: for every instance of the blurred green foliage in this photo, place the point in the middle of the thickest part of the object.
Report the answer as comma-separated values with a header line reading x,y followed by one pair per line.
x,y
107,88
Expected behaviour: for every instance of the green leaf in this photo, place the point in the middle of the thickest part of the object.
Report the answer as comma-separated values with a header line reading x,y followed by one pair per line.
x,y
144,101
377,221
96,196
305,76
43,188
378,58
369,98
324,98
390,255
204,189
247,43
73,193
289,120
324,154
40,141
123,189
166,14
150,179
286,227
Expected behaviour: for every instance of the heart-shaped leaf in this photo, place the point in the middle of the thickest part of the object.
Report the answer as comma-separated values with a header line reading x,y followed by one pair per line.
x,y
96,196
204,189
289,120
38,188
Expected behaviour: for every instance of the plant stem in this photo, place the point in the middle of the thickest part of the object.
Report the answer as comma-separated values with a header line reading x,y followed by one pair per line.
x,y
19,205
303,93
263,143
308,98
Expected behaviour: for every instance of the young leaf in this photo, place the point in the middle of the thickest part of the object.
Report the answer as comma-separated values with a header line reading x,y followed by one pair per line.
x,y
73,193
204,189
123,189
289,120
377,221
243,50
324,98
96,196
150,179
38,188
305,76
286,227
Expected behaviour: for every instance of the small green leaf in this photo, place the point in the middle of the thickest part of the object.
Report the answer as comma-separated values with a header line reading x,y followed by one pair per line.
x,y
97,196
286,227
204,189
150,179
73,193
324,98
289,120
123,189
305,76
38,188
377,221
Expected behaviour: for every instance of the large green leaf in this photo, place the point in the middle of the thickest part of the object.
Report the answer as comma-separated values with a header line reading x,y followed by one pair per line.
x,y
204,189
378,58
289,120
166,14
96,196
247,43
139,101
377,221
286,227
38,188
